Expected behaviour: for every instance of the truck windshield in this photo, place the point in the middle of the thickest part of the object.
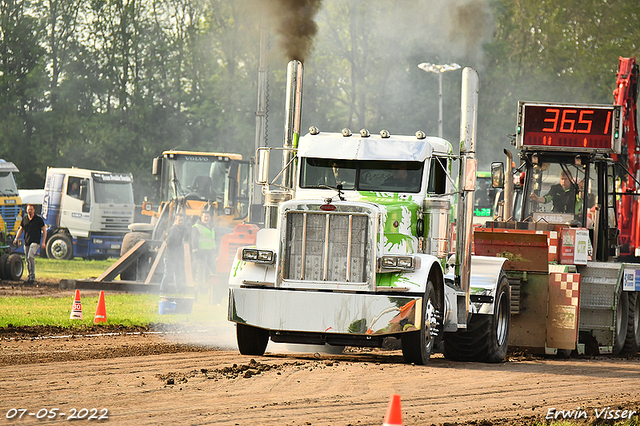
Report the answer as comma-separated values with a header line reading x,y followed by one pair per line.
x,y
113,192
382,176
7,184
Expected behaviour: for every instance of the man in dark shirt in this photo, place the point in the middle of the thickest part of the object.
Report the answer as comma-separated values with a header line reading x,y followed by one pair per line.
x,y
563,195
35,236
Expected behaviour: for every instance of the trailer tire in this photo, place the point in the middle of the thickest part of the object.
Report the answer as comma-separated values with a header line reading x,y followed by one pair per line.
x,y
60,247
487,336
131,239
621,322
632,342
251,340
417,346
13,268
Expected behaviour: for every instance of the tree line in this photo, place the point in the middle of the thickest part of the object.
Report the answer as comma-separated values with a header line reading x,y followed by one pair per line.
x,y
110,84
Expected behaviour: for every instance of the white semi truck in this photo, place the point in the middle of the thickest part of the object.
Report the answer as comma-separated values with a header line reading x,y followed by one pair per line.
x,y
355,247
87,212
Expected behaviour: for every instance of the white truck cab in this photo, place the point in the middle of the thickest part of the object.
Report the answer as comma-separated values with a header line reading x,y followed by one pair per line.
x,y
87,212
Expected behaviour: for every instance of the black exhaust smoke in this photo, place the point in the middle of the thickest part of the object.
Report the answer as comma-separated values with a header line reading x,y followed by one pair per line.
x,y
295,25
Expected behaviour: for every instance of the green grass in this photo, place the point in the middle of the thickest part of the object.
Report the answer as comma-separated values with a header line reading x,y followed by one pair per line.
x,y
123,309
70,269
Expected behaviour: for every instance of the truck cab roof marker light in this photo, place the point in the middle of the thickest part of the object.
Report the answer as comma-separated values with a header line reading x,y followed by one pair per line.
x,y
365,133
384,134
313,130
420,134
346,132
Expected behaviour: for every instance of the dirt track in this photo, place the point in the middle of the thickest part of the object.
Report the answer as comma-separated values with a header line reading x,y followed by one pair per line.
x,y
157,377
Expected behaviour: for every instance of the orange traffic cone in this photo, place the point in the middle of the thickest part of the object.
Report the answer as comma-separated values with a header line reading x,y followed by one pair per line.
x,y
394,413
76,307
101,312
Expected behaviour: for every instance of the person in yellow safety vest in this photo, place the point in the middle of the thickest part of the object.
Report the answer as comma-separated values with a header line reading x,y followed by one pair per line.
x,y
203,243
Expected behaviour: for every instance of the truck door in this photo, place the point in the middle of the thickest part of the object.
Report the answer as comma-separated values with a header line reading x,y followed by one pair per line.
x,y
76,202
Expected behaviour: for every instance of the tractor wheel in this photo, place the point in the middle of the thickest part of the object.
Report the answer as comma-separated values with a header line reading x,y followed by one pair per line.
x,y
13,268
3,261
251,340
487,336
60,247
632,342
128,242
417,346
622,322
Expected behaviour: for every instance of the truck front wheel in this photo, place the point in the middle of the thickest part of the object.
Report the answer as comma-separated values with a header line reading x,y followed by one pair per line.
x,y
418,345
60,247
251,340
487,336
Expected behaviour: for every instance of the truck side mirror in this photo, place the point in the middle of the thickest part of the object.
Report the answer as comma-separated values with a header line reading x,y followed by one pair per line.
x,y
157,166
497,175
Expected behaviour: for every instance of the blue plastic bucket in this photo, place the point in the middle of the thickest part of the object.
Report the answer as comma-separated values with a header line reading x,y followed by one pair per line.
x,y
166,307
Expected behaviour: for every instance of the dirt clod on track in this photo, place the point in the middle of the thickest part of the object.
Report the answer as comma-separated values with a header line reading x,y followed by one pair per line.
x,y
189,375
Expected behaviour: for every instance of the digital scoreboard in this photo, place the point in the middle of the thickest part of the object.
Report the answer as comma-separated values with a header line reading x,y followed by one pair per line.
x,y
568,127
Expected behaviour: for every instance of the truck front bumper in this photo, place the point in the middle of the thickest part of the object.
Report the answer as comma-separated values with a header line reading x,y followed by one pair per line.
x,y
296,311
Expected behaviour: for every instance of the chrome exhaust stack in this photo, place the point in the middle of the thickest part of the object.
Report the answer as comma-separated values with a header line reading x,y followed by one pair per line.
x,y
293,112
467,178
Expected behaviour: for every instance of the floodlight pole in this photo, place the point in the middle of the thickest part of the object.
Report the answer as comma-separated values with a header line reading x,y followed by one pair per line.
x,y
439,69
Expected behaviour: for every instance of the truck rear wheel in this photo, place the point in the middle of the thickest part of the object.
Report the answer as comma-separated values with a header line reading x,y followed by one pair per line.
x,y
632,342
622,322
251,340
487,336
13,268
60,247
418,345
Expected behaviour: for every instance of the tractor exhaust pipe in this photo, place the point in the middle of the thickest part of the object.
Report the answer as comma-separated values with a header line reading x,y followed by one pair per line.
x,y
508,187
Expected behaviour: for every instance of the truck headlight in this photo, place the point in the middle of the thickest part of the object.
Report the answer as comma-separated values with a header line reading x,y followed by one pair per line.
x,y
258,256
389,262
407,263
98,241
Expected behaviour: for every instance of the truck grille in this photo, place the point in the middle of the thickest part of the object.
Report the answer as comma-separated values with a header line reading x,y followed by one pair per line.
x,y
322,246
116,224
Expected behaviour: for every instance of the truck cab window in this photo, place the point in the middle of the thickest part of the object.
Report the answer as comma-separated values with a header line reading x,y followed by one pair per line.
x,y
73,187
437,176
